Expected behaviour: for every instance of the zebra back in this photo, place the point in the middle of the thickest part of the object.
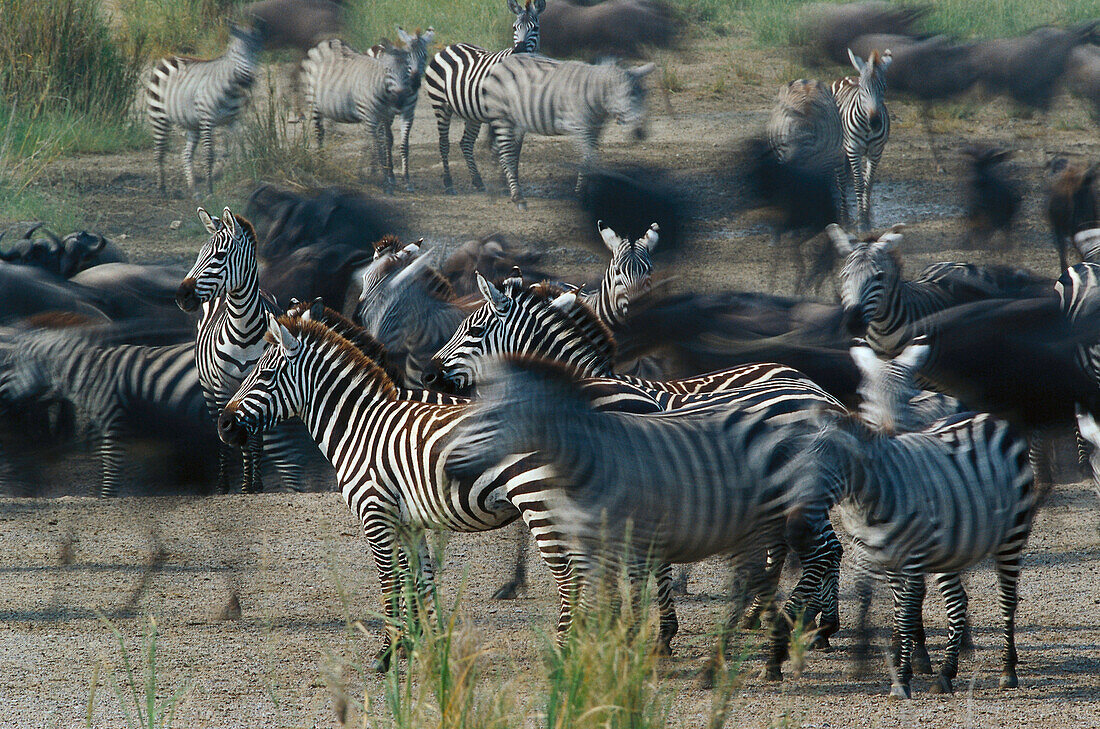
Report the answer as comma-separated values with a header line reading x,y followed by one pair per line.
x,y
347,86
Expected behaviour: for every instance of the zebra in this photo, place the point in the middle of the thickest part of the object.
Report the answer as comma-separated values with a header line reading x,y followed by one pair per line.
x,y
351,87
629,275
891,399
519,321
199,95
804,127
866,122
123,389
1087,243
529,93
670,487
1078,290
389,456
230,336
417,46
454,79
937,501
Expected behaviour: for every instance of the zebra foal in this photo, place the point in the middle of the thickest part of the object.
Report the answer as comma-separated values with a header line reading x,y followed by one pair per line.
x,y
937,502
199,95
533,94
346,86
672,487
866,123
454,79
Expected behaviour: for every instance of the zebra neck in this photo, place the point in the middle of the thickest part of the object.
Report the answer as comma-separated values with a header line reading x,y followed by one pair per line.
x,y
246,309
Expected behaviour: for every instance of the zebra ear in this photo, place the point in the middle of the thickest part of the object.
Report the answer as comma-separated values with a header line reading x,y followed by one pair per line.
x,y
857,62
208,222
887,241
515,7
492,294
229,221
284,340
427,37
317,309
405,37
649,240
540,5
865,358
610,238
841,240
642,71
914,355
565,301
886,59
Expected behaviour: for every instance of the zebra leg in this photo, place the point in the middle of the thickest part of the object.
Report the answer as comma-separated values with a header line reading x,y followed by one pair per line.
x,y
510,589
588,139
380,529
1039,459
855,168
318,125
110,458
919,658
679,585
566,565
406,131
954,598
443,126
206,131
669,624
252,481
1008,575
466,144
425,578
828,597
747,579
160,148
909,617
865,577
1084,455
763,603
510,142
870,162
390,183
189,158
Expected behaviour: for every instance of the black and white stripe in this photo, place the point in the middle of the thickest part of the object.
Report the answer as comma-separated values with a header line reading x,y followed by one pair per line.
x,y
417,46
866,123
804,129
526,93
199,95
629,275
230,335
117,387
346,86
933,502
454,79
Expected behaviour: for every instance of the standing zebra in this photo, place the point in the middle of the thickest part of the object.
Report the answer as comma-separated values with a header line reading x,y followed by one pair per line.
x,y
454,80
417,46
668,487
199,95
527,93
629,275
866,122
933,502
230,338
389,456
351,87
804,128
124,390
891,400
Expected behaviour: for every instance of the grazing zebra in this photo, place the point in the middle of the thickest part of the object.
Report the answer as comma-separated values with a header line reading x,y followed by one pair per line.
x,y
527,93
351,87
804,128
230,338
124,390
935,502
199,95
454,79
669,487
389,456
417,46
629,275
866,122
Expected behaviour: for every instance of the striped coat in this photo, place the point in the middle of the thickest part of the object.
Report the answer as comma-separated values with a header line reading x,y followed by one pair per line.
x,y
866,122
533,94
199,95
417,46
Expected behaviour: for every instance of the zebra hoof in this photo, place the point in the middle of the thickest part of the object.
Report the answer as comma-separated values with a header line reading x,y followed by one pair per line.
x,y
920,661
942,685
821,643
507,591
771,673
449,191
899,692
1009,680
381,662
706,678
479,185
521,204
663,649
409,188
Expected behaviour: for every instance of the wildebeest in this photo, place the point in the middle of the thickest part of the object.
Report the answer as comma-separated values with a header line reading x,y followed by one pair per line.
x,y
628,199
297,24
992,196
614,27
63,257
494,256
314,271
827,30
1071,205
1083,76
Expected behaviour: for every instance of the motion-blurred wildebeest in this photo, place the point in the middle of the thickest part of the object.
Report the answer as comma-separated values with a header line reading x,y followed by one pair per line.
x,y
992,196
614,27
628,199
826,30
1071,206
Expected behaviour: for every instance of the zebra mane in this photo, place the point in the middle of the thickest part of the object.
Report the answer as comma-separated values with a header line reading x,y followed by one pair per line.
x,y
367,368
246,226
582,318
59,320
563,378
356,335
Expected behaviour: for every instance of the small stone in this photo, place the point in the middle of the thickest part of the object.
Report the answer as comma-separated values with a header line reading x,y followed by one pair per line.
x,y
175,225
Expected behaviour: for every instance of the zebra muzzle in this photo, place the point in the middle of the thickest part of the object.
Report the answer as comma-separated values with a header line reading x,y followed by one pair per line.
x,y
186,298
230,429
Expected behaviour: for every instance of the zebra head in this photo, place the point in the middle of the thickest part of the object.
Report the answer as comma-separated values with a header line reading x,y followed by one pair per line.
x,y
872,84
226,263
272,391
417,46
625,96
456,366
525,30
630,273
520,401
244,48
870,276
888,386
23,374
397,63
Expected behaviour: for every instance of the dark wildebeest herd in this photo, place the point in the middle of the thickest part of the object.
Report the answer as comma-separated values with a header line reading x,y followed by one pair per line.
x,y
629,428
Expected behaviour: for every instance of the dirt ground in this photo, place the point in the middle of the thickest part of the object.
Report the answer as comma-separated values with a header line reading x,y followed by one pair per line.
x,y
302,570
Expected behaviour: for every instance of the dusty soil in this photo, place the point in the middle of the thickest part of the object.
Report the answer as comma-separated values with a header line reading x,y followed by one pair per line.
x,y
301,568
